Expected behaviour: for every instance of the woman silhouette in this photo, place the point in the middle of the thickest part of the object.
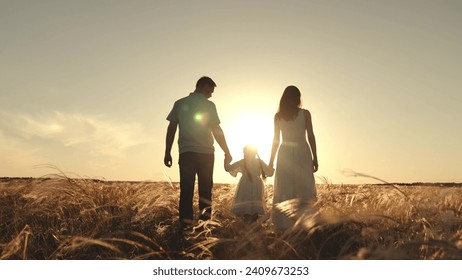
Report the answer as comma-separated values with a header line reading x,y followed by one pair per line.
x,y
297,160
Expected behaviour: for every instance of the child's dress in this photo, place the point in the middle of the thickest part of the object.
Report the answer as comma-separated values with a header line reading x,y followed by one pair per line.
x,y
249,198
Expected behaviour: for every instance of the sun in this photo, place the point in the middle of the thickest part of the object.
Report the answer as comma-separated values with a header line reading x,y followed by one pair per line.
x,y
254,128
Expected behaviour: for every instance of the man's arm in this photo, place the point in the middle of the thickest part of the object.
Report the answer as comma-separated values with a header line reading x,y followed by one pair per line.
x,y
221,140
171,130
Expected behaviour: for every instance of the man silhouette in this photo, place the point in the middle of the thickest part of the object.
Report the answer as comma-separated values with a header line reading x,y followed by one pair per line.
x,y
198,123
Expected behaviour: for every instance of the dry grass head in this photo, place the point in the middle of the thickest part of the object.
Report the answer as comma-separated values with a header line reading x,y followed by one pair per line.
x,y
66,218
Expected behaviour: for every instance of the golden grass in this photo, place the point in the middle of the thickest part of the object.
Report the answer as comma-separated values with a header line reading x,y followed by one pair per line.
x,y
63,218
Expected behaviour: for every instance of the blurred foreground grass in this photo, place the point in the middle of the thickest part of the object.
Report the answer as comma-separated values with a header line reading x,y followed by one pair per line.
x,y
63,218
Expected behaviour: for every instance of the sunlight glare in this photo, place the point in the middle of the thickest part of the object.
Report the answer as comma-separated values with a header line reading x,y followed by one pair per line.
x,y
251,128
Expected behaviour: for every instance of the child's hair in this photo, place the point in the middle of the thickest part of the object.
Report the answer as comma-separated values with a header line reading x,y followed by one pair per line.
x,y
252,149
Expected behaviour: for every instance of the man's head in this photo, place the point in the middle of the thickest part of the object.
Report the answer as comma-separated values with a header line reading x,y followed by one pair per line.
x,y
206,86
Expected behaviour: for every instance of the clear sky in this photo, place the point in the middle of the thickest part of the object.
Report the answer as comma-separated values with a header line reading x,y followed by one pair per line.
x,y
86,85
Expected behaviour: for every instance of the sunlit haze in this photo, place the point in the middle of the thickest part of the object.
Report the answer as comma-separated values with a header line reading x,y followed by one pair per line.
x,y
86,86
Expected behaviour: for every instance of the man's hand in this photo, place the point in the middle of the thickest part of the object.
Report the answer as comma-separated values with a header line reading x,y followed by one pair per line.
x,y
171,130
315,165
168,160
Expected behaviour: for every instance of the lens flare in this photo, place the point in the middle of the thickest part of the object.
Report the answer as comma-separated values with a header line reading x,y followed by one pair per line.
x,y
198,117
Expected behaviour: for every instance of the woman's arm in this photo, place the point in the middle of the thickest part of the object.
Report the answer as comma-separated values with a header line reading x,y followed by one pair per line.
x,y
311,139
276,140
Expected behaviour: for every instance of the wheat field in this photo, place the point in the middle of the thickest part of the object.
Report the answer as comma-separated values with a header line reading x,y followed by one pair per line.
x,y
64,218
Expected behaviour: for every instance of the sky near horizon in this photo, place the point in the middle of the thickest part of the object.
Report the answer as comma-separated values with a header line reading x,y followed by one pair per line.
x,y
85,86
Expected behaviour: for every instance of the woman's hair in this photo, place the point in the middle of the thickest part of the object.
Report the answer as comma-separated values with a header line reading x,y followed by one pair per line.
x,y
290,103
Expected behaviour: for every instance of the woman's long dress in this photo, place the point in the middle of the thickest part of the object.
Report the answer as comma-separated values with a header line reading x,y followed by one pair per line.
x,y
294,178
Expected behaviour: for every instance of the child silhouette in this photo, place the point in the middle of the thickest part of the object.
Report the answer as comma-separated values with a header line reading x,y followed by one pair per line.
x,y
249,200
